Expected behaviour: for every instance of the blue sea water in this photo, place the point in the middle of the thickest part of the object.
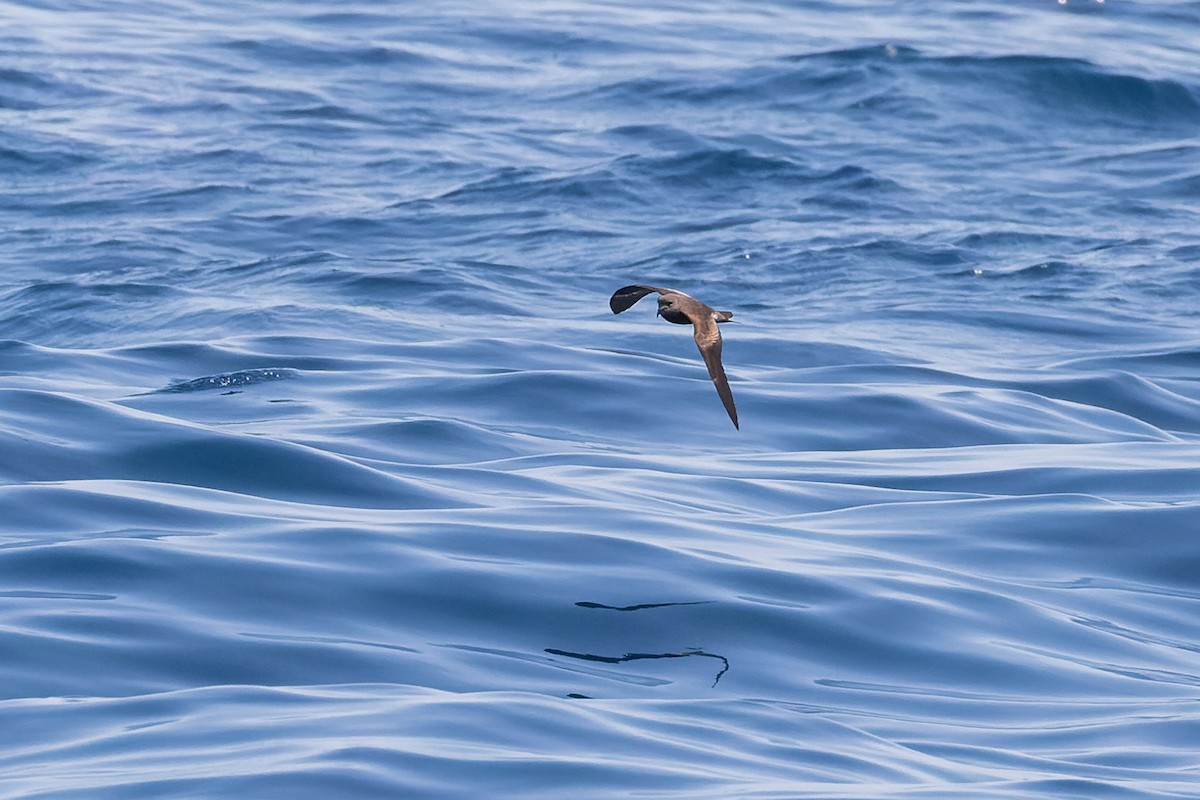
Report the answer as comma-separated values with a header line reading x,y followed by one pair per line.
x,y
326,471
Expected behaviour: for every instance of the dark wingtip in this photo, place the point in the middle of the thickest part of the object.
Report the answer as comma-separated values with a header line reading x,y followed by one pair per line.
x,y
626,296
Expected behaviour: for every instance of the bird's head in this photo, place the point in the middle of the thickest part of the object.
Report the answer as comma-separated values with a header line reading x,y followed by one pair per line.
x,y
670,309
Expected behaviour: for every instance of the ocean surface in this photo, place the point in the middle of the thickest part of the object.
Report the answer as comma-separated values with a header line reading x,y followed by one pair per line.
x,y
327,472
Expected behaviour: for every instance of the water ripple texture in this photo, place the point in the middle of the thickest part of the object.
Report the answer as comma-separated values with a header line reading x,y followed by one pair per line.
x,y
326,471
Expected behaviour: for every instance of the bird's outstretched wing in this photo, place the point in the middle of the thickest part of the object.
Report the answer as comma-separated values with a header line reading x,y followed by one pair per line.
x,y
708,339
626,296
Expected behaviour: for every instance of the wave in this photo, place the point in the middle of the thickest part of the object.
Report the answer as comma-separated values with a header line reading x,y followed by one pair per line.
x,y
908,84
231,380
298,53
50,436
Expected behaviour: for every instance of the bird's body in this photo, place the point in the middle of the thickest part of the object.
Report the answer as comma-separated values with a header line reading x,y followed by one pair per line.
x,y
682,309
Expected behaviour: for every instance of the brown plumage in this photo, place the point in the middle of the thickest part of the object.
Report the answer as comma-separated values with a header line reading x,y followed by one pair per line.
x,y
681,309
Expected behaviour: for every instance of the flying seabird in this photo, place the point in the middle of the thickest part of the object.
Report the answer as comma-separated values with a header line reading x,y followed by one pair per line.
x,y
677,307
